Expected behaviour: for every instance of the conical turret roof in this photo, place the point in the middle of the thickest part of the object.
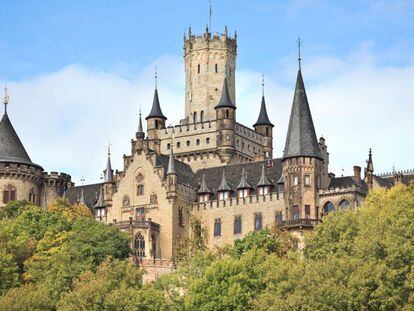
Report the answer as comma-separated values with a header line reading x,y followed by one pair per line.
x,y
171,165
82,199
244,184
263,118
264,181
108,172
140,132
156,108
11,148
100,202
203,187
224,186
225,100
301,137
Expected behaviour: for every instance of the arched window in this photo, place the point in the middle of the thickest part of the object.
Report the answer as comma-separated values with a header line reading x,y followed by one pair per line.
x,y
328,207
195,117
140,185
139,245
344,205
198,68
126,202
9,194
216,68
201,116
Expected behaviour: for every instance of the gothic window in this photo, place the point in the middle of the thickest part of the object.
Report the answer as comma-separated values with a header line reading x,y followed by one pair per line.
x,y
153,199
279,217
198,68
180,217
194,117
217,227
216,68
344,205
307,211
140,186
295,212
139,245
9,194
307,180
328,207
237,225
140,213
258,222
126,202
201,116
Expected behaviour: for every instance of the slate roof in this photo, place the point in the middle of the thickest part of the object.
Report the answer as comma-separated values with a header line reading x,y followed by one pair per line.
x,y
263,118
224,186
203,187
156,111
225,100
384,182
11,148
347,181
301,137
264,181
213,175
90,194
184,172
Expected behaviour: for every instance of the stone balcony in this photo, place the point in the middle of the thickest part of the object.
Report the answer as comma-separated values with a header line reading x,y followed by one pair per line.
x,y
302,223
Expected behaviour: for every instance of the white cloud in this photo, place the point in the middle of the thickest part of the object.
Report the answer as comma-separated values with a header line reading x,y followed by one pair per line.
x,y
65,118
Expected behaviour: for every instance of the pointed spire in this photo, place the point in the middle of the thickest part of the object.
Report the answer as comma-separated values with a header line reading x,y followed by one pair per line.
x,y
225,100
100,202
108,172
82,198
370,164
203,187
244,184
156,111
263,118
301,137
264,181
171,164
140,132
224,186
6,98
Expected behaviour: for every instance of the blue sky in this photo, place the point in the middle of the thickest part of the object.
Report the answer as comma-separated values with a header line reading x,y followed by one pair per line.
x,y
79,70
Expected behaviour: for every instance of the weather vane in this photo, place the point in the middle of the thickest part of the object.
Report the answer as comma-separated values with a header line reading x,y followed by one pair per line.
x,y
299,42
6,98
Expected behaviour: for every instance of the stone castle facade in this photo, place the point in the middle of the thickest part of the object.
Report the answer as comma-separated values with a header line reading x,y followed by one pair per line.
x,y
208,167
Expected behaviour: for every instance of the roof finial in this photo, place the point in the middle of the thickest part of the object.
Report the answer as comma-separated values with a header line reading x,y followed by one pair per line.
x,y
6,98
109,147
262,85
156,78
299,42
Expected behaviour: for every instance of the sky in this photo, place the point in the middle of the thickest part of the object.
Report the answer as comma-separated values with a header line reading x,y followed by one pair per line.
x,y
78,73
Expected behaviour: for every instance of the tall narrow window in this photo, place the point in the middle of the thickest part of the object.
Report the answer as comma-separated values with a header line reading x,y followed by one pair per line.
x,y
140,185
201,116
168,146
198,68
307,180
180,217
139,245
237,225
217,227
279,216
156,124
9,194
195,117
227,114
295,212
258,223
307,211
216,68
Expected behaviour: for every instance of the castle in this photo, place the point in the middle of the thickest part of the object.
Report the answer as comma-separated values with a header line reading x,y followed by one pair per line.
x,y
209,167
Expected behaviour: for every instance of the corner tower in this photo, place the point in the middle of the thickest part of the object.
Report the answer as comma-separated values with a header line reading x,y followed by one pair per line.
x,y
208,59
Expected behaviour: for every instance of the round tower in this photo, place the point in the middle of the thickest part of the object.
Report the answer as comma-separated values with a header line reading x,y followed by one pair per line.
x,y
226,124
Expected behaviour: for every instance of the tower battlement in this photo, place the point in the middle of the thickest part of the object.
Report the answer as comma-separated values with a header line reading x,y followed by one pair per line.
x,y
216,41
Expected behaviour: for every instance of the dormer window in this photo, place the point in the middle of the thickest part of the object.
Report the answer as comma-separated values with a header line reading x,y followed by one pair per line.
x,y
243,193
224,195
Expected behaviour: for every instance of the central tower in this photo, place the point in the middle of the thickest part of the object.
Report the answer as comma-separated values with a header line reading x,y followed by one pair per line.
x,y
208,59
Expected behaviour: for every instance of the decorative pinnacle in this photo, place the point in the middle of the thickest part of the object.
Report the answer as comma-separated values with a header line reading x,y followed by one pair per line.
x,y
6,98
299,42
109,147
209,15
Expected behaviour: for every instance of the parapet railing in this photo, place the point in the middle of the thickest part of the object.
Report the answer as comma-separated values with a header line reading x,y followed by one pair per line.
x,y
302,222
140,224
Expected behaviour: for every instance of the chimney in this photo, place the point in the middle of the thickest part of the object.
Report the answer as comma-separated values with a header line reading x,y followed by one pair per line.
x,y
357,173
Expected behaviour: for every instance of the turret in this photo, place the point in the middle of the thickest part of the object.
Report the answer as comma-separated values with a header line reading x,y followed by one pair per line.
x,y
244,188
156,119
140,134
108,180
264,127
171,176
302,159
224,191
264,186
99,208
204,192
226,122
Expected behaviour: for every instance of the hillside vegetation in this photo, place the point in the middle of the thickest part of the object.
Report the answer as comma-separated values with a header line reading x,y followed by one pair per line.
x,y
61,259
